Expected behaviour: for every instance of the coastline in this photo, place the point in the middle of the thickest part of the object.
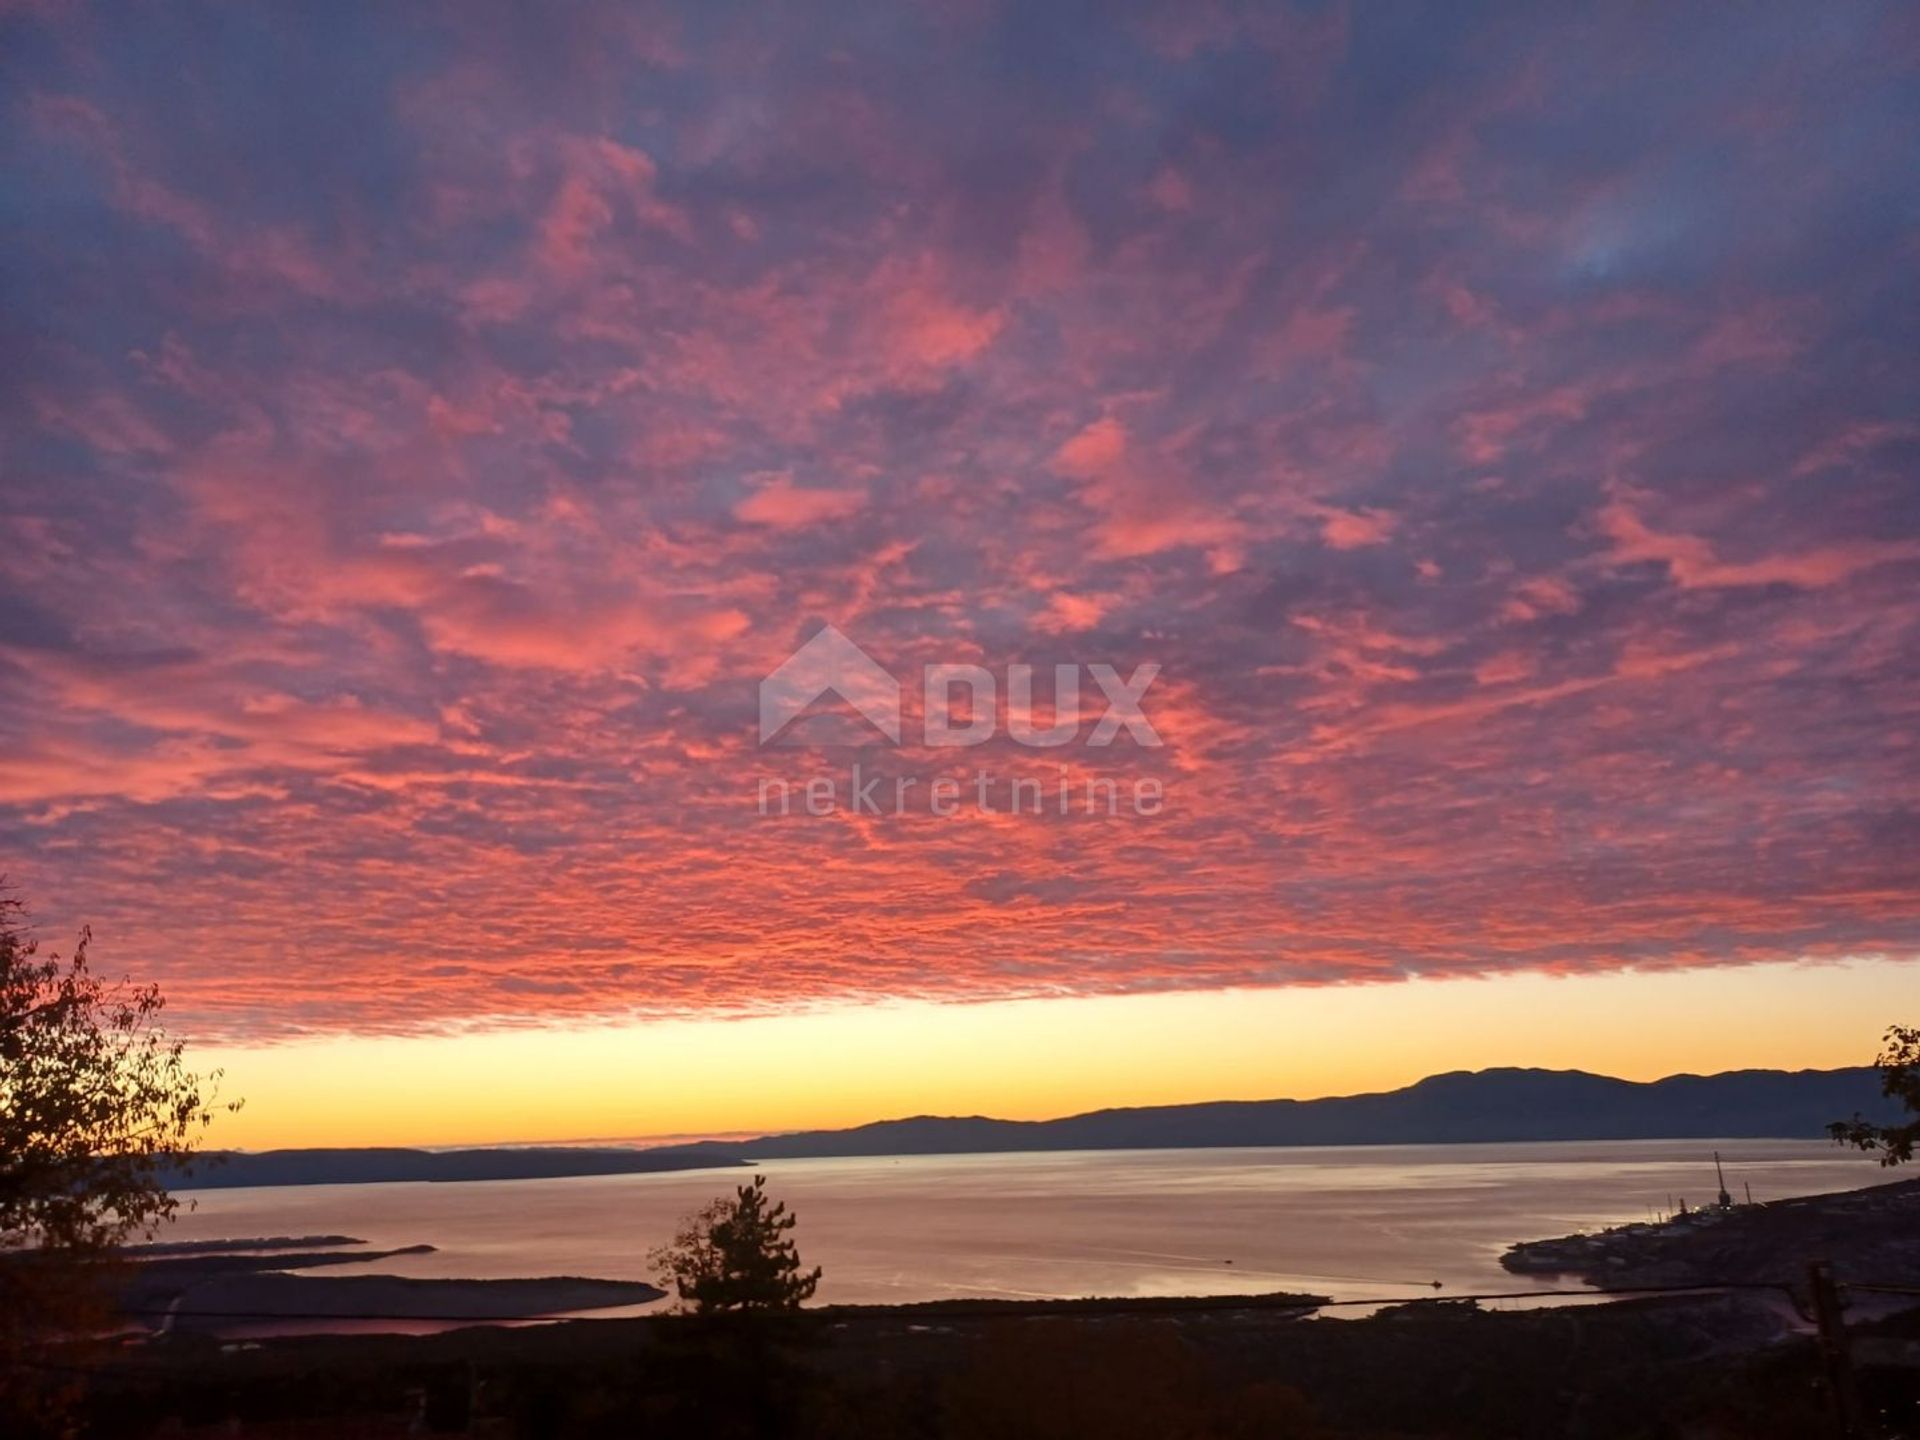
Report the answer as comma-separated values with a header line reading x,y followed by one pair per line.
x,y
1868,1235
241,1286
471,1343
234,1285
1379,1224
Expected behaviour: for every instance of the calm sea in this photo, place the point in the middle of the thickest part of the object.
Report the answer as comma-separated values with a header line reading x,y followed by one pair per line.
x,y
1352,1222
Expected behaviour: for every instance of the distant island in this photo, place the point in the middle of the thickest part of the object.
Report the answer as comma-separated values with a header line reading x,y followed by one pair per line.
x,y
239,1169
1462,1107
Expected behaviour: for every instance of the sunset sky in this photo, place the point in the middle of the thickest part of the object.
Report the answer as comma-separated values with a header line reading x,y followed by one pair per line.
x,y
424,426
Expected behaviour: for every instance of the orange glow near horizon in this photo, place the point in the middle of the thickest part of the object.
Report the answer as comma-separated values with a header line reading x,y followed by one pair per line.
x,y
840,1066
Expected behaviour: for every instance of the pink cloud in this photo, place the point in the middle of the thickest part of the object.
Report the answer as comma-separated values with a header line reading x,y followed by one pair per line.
x,y
1694,563
1353,529
1094,450
785,506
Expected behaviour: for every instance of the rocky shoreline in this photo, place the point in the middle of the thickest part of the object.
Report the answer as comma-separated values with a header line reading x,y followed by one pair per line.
x,y
1869,1236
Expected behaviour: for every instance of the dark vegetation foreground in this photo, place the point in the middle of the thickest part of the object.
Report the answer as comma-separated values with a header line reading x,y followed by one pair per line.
x,y
1733,1366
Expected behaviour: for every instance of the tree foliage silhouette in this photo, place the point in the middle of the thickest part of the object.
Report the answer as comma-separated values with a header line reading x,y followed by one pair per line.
x,y
737,1255
1899,1062
95,1101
